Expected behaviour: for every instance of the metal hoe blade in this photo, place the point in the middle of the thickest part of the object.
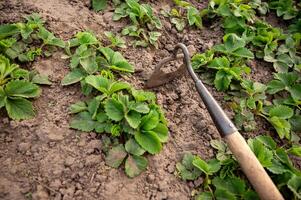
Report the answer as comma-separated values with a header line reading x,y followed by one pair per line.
x,y
159,77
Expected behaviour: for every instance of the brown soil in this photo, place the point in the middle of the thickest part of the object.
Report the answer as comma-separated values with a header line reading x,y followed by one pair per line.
x,y
43,159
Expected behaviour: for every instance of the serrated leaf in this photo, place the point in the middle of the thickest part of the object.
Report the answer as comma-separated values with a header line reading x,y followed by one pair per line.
x,y
295,91
233,185
209,167
267,141
133,118
2,97
295,122
74,76
134,165
89,64
294,184
295,150
204,196
222,194
78,107
115,156
86,38
275,86
19,108
149,141
222,80
150,121
139,107
22,88
179,23
98,82
117,86
99,5
264,155
8,30
243,52
132,147
281,111
114,109
162,132
41,80
277,167
83,122
282,127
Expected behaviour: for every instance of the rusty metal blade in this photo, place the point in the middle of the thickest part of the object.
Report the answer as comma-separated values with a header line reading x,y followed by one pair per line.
x,y
159,77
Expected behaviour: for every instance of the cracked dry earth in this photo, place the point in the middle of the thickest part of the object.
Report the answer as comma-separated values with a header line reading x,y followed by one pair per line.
x,y
43,159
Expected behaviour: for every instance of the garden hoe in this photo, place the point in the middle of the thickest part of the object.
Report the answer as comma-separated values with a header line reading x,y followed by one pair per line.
x,y
252,168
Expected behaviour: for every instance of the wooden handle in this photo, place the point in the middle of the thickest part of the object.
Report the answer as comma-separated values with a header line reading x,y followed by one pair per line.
x,y
252,168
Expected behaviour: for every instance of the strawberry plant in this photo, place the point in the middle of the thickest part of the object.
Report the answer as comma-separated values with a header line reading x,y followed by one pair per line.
x,y
90,57
23,42
125,113
115,40
221,178
284,8
16,40
144,22
16,87
289,82
184,13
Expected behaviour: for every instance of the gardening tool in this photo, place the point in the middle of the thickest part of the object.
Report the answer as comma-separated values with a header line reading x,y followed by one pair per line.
x,y
252,168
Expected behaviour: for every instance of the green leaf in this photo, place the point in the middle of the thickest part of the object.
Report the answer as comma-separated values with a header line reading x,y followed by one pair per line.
x,y
99,5
89,64
267,141
222,194
218,63
233,185
2,97
281,111
204,196
282,127
41,80
21,88
78,107
287,78
149,141
133,118
275,86
83,122
114,109
49,39
186,169
243,52
98,82
295,122
264,155
115,156
150,121
117,86
179,23
222,80
141,95
132,147
8,30
19,108
134,165
208,168
86,38
295,150
295,91
139,107
74,76
194,17
294,184
162,132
